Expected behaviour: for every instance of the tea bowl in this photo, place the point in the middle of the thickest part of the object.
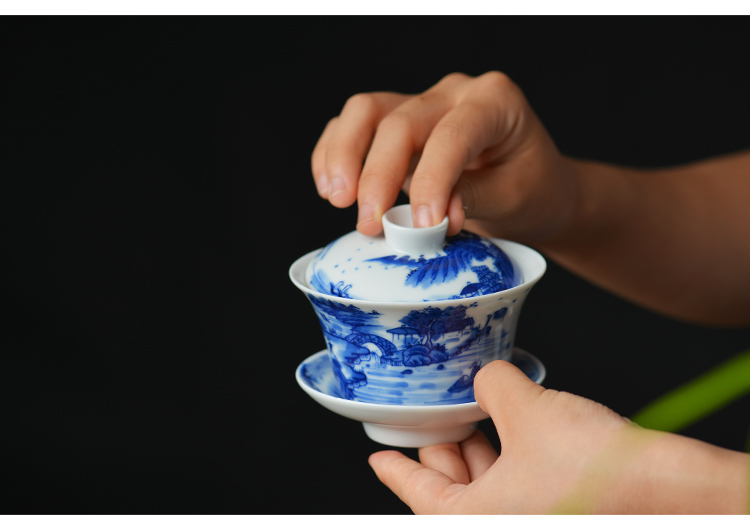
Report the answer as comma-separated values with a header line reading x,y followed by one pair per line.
x,y
419,352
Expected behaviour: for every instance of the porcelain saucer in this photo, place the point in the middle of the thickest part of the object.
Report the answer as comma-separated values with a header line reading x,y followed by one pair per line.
x,y
401,425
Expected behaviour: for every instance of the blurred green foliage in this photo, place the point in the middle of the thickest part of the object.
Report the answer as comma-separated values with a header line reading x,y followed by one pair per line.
x,y
699,397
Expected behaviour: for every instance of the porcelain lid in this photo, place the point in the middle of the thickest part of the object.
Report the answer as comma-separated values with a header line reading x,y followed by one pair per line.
x,y
407,264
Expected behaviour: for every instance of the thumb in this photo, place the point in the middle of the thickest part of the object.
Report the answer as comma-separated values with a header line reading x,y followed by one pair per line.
x,y
506,394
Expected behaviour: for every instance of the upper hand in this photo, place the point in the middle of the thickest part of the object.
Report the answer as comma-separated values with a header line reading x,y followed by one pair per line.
x,y
467,147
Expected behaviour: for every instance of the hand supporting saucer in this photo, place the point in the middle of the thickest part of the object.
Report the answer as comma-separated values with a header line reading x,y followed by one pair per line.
x,y
401,425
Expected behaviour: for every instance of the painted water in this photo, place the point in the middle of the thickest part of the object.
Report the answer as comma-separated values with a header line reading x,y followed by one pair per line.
x,y
420,357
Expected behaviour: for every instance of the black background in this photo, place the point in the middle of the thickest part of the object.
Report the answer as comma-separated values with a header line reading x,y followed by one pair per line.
x,y
156,188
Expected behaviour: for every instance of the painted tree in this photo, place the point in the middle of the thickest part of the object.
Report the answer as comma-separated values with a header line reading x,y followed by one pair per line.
x,y
459,253
432,321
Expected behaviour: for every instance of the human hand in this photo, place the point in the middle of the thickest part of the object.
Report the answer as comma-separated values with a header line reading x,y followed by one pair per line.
x,y
563,453
467,147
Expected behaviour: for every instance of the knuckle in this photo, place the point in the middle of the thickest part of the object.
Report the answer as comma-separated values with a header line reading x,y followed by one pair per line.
x,y
426,185
397,120
376,179
497,77
415,480
361,102
449,131
471,112
453,134
428,97
498,81
455,77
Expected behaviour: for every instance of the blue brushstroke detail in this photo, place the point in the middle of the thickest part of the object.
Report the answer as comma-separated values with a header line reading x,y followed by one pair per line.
x,y
361,339
358,340
320,282
460,253
350,315
500,314
318,374
466,381
471,290
309,378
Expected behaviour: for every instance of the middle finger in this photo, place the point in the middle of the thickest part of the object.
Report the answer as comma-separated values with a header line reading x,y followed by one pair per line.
x,y
478,454
399,137
446,458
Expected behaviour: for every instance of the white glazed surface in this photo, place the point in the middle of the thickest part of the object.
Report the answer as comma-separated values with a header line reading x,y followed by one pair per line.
x,y
407,264
401,235
375,360
402,426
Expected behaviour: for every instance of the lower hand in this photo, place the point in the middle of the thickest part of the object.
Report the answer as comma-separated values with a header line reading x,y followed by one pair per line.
x,y
563,453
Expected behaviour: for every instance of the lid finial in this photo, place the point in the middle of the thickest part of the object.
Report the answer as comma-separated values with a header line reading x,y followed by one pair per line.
x,y
402,236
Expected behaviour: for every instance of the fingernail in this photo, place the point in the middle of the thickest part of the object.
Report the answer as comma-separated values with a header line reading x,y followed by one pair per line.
x,y
337,186
423,217
366,212
322,185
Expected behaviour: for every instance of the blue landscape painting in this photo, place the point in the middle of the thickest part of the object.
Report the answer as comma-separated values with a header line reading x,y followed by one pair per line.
x,y
461,251
402,363
464,252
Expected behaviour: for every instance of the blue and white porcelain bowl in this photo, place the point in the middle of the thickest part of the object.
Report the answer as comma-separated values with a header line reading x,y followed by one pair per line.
x,y
421,346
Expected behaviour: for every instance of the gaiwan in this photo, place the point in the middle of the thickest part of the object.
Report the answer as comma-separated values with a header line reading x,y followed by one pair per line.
x,y
410,317
411,265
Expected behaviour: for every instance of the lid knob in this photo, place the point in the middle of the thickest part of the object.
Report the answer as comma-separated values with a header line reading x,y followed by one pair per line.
x,y
401,235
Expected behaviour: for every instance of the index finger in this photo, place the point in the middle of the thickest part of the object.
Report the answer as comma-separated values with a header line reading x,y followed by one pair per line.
x,y
486,116
424,490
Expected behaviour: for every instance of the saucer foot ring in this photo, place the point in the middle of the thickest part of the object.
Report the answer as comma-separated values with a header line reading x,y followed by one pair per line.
x,y
405,436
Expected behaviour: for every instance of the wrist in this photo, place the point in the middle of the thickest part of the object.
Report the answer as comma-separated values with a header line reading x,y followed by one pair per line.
x,y
603,196
676,474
